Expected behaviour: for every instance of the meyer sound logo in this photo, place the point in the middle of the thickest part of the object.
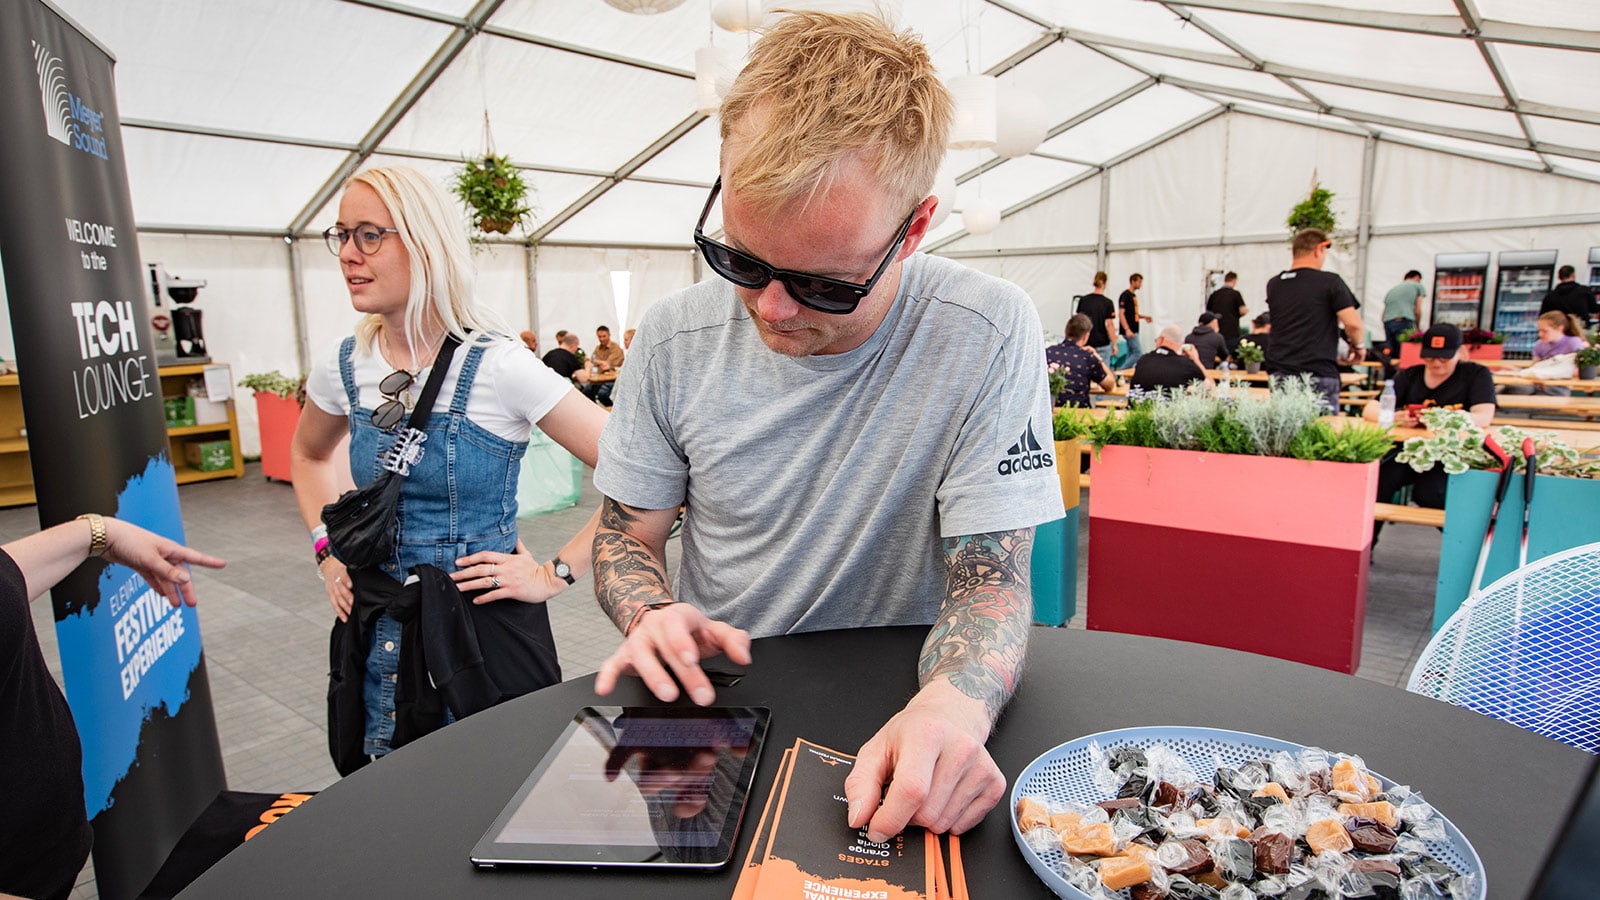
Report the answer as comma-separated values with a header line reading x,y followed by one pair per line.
x,y
67,118
1025,455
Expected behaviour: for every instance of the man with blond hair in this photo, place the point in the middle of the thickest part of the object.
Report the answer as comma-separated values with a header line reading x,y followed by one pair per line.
x,y
860,434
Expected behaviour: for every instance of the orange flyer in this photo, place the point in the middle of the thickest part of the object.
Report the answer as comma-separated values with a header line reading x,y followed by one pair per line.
x,y
811,854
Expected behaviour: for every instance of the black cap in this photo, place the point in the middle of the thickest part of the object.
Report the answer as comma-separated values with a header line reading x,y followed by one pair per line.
x,y
1207,317
1441,342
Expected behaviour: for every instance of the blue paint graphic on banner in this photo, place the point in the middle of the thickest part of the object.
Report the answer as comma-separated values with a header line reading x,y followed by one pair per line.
x,y
133,653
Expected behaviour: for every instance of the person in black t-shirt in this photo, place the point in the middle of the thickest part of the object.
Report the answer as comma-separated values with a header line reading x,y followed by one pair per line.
x,y
44,834
1128,319
1569,296
1443,380
564,361
1228,304
1102,319
1171,366
1308,307
1260,335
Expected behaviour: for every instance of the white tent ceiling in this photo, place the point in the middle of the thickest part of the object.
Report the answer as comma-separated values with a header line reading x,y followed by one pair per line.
x,y
243,116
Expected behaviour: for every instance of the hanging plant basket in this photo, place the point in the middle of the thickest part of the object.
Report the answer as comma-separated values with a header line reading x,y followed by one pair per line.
x,y
1315,211
494,194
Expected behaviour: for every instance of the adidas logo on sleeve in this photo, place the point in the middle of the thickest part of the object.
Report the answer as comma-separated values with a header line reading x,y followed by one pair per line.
x,y
1025,455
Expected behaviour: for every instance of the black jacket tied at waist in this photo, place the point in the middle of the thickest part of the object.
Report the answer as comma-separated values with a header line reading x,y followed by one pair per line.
x,y
453,654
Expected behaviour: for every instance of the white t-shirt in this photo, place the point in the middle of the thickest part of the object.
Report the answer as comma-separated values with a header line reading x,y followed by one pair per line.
x,y
512,390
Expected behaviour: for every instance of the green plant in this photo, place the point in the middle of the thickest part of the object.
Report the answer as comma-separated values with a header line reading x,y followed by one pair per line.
x,y
494,193
1588,356
1411,336
1456,442
1071,423
1313,212
1249,351
276,382
1058,380
1357,442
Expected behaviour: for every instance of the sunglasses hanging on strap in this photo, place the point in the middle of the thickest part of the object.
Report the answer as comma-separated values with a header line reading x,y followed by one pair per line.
x,y
361,523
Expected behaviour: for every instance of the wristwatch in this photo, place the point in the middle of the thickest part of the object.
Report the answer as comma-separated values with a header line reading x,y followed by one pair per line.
x,y
563,571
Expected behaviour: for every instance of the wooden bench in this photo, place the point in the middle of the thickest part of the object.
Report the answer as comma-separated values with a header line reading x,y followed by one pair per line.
x,y
1408,515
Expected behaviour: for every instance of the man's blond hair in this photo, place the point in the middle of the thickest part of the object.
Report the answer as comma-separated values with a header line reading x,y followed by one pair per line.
x,y
822,88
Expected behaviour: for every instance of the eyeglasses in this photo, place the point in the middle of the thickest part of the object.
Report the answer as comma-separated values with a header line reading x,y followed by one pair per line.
x,y
368,237
828,295
392,409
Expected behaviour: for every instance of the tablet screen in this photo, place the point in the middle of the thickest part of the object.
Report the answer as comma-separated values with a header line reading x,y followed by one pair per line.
x,y
634,786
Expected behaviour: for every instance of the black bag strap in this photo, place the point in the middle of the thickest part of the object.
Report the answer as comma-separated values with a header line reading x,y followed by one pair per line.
x,y
430,390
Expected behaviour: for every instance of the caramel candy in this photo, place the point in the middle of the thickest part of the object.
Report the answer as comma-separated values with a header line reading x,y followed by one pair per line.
x,y
1370,835
1382,810
1146,891
1031,814
1235,859
1326,835
1065,822
1222,827
1111,806
1183,889
1347,779
1136,850
1119,872
1091,840
1272,789
1211,880
1274,850
1185,857
1167,794
1375,865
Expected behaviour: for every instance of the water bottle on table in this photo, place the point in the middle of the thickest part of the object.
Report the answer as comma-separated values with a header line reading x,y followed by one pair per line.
x,y
1386,405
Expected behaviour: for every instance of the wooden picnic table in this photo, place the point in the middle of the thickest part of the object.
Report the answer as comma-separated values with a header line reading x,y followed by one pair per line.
x,y
1580,407
1585,385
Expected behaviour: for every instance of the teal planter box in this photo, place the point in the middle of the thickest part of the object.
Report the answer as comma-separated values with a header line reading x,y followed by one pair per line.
x,y
1566,514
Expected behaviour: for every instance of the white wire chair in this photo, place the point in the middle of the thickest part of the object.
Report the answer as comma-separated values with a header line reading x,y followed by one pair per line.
x,y
1526,650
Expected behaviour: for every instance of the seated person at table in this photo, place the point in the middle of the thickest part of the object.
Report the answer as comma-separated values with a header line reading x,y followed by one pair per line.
x,y
604,363
1559,333
1260,335
1444,380
1210,346
1081,365
565,361
857,447
44,835
1171,366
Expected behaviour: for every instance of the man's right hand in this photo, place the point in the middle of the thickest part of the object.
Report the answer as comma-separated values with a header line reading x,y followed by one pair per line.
x,y
670,641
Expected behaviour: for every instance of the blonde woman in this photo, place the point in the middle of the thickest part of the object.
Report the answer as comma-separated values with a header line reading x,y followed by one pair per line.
x,y
407,267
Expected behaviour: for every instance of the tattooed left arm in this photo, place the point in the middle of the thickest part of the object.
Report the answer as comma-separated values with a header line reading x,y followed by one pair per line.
x,y
931,755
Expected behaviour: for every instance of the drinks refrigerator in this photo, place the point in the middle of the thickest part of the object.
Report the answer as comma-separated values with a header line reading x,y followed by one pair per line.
x,y
1458,280
1525,277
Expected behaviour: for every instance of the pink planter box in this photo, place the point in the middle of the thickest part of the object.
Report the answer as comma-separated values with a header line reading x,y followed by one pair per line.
x,y
1255,553
1411,353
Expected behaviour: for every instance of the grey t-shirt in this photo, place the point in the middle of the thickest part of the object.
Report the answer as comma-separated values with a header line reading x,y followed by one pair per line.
x,y
818,488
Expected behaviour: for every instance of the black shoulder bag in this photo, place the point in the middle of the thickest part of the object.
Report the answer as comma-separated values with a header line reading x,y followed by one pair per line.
x,y
361,525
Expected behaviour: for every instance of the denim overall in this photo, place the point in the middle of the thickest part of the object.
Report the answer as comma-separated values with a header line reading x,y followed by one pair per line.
x,y
460,498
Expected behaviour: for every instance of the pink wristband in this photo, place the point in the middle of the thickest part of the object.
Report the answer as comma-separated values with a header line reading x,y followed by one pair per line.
x,y
316,546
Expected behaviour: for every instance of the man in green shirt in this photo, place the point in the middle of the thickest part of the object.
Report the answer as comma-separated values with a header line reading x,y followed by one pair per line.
x,y
1402,310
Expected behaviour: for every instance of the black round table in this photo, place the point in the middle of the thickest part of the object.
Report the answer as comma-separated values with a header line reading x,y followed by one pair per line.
x,y
405,826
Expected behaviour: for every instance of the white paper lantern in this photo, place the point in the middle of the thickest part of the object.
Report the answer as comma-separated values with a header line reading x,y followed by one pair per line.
x,y
1020,123
944,187
736,15
973,126
714,71
887,10
980,217
645,7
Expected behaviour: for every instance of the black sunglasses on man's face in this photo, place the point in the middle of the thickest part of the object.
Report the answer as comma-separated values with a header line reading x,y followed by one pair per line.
x,y
828,295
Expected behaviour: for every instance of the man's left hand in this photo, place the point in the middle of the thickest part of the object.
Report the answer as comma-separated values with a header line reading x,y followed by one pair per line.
x,y
932,759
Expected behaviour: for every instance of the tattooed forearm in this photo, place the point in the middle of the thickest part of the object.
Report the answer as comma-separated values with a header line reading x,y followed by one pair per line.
x,y
627,573
981,636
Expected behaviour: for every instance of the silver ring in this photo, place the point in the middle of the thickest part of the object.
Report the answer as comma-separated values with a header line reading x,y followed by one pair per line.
x,y
494,581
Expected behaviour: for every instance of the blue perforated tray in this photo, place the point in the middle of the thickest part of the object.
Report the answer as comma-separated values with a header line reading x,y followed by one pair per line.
x,y
1066,774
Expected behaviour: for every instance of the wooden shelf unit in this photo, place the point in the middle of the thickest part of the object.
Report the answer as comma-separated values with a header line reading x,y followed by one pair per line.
x,y
16,469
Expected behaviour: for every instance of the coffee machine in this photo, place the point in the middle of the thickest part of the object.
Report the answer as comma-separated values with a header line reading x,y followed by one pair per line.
x,y
176,325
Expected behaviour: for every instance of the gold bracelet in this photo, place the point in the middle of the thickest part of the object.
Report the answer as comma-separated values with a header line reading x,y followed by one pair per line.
x,y
97,533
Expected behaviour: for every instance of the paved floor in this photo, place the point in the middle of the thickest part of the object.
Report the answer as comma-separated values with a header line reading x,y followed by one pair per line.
x,y
265,621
